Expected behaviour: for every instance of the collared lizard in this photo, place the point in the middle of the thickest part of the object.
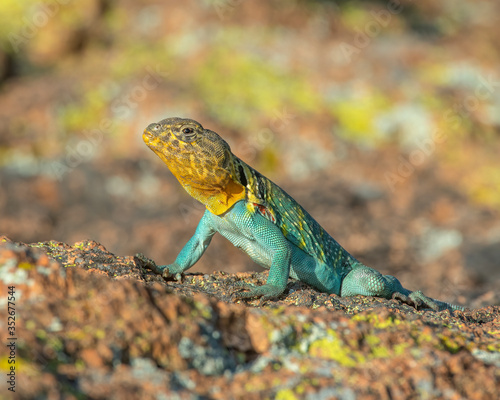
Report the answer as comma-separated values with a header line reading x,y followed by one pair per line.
x,y
260,218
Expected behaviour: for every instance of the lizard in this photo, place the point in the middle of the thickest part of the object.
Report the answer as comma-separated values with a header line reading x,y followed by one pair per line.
x,y
260,218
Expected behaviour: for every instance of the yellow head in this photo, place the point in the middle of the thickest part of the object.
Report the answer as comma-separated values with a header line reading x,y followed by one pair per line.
x,y
200,159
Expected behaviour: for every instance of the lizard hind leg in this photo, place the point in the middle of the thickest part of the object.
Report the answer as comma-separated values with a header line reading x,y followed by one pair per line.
x,y
367,281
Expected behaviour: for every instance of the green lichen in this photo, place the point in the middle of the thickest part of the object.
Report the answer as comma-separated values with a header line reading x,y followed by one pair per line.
x,y
432,73
22,364
371,340
376,350
25,265
353,17
100,334
30,325
4,364
135,60
55,343
400,348
143,344
88,112
76,335
80,365
41,334
238,86
451,344
377,321
494,347
51,243
482,185
333,348
256,386
420,337
286,394
202,310
301,387
14,16
357,116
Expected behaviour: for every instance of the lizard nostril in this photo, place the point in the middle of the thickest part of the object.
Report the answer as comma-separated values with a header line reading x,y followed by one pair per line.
x,y
153,127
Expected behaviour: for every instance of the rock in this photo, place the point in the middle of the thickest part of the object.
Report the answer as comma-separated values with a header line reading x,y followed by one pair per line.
x,y
106,328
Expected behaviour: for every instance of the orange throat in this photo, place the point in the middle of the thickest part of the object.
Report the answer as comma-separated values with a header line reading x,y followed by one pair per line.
x,y
215,187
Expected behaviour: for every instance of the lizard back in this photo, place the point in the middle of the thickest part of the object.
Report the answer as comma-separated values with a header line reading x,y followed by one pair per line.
x,y
297,225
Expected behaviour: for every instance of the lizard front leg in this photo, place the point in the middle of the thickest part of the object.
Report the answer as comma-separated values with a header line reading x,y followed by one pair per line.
x,y
189,255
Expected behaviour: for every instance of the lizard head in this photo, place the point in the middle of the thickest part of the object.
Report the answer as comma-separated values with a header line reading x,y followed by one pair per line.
x,y
200,160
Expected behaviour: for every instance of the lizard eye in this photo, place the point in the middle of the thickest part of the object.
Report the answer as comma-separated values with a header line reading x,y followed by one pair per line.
x,y
187,134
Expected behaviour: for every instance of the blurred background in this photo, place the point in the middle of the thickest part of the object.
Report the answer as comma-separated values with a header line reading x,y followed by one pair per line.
x,y
382,118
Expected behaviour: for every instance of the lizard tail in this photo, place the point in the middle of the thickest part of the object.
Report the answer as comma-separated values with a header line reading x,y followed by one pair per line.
x,y
448,306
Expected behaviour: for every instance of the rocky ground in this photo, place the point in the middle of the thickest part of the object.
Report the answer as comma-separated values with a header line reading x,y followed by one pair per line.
x,y
90,324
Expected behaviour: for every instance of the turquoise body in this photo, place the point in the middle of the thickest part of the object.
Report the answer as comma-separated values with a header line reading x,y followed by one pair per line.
x,y
254,232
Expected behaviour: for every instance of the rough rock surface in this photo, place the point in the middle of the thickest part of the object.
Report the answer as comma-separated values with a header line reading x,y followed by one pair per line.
x,y
90,324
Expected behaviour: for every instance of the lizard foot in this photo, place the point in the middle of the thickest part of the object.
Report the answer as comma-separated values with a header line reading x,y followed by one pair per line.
x,y
266,292
416,299
162,270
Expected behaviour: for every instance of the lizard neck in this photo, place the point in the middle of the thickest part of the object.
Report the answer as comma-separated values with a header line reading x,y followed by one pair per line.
x,y
257,186
211,181
217,199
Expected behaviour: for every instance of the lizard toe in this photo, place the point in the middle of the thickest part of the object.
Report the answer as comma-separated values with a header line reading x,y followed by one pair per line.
x,y
168,272
422,299
416,299
266,292
146,262
400,297
163,270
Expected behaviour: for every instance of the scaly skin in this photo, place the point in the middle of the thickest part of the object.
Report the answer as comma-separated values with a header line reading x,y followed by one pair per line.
x,y
260,218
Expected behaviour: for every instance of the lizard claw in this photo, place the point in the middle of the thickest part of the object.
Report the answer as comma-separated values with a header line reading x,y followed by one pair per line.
x,y
243,286
238,288
416,299
145,262
162,270
266,292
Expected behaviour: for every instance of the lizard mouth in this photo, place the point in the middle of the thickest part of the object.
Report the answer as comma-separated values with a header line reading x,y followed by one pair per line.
x,y
147,136
151,132
153,140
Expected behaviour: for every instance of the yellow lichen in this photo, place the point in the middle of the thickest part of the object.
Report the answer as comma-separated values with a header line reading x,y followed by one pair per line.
x,y
286,394
25,265
333,348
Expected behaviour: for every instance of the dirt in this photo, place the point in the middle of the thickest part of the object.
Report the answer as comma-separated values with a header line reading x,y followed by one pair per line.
x,y
90,324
